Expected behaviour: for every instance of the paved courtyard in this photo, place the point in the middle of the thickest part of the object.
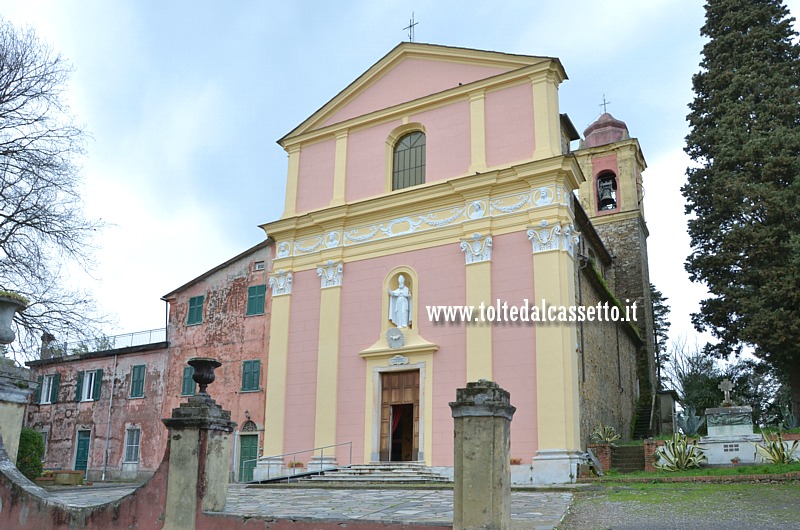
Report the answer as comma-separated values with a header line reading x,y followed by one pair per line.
x,y
530,510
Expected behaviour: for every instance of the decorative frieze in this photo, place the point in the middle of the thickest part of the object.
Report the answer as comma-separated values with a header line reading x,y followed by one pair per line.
x,y
281,283
553,236
330,274
477,248
541,197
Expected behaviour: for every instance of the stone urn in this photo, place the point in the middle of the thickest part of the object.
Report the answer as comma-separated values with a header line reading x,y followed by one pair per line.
x,y
10,303
203,371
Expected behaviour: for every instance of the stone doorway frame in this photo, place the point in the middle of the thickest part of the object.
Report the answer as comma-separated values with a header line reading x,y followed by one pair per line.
x,y
375,452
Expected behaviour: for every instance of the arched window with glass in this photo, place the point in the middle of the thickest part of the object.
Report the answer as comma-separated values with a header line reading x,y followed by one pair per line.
x,y
409,161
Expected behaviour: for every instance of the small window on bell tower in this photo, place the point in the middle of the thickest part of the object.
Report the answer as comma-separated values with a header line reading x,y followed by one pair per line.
x,y
607,191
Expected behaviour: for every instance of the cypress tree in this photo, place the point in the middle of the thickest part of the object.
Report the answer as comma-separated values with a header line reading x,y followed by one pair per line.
x,y
742,189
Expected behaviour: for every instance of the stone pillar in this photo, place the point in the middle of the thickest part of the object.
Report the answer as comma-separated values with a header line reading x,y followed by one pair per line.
x,y
16,386
199,458
482,492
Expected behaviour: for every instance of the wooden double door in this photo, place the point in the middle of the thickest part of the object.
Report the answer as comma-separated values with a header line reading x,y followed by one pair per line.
x,y
399,416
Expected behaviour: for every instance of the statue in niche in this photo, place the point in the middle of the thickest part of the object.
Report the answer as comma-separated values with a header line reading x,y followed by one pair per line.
x,y
400,304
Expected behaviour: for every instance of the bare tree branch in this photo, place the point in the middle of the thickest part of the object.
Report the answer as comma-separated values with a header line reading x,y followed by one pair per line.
x,y
42,224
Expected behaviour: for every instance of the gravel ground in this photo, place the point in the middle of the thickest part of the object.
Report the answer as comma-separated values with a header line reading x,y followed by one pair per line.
x,y
686,506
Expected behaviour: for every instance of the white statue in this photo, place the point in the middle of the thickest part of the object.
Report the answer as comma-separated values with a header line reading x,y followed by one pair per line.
x,y
400,304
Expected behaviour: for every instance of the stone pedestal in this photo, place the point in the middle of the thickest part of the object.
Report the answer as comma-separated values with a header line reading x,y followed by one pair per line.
x,y
482,416
270,467
730,435
199,458
323,463
16,387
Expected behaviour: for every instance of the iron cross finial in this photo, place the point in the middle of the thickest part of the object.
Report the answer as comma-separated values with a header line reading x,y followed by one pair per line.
x,y
410,28
604,104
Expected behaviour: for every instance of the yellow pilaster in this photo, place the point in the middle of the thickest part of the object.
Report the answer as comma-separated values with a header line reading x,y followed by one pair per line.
x,y
275,408
340,169
479,334
477,122
291,181
327,366
546,119
556,361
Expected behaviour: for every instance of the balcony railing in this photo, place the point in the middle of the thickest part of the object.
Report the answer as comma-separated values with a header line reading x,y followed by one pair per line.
x,y
126,340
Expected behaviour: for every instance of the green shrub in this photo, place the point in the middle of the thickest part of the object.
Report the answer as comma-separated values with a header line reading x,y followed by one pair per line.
x,y
689,422
678,454
30,453
775,451
604,434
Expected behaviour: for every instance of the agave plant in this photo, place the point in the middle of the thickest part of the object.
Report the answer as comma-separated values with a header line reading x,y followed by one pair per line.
x,y
788,419
678,454
604,434
777,451
689,422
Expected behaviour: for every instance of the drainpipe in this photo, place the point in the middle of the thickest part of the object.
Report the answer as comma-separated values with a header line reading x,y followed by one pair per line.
x,y
583,263
108,423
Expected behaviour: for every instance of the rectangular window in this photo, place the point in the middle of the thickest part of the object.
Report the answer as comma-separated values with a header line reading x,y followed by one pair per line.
x,y
251,375
48,389
132,440
195,310
259,266
255,299
88,386
137,381
189,386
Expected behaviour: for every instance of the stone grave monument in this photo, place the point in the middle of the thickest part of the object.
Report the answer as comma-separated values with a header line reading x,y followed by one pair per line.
x,y
730,431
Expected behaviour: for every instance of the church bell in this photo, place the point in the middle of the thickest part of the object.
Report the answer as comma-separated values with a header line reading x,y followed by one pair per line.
x,y
606,199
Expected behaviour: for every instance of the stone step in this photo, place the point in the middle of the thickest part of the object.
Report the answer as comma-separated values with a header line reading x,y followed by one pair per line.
x,y
394,472
376,478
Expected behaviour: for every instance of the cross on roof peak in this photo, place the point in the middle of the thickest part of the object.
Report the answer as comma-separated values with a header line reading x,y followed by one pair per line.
x,y
604,104
410,28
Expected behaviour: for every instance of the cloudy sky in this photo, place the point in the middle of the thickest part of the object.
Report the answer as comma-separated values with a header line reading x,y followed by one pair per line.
x,y
185,100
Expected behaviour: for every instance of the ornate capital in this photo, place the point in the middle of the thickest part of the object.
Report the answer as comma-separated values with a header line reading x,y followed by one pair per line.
x,y
477,248
553,236
330,274
281,283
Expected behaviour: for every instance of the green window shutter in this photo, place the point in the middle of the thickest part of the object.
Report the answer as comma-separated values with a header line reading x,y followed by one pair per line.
x,y
79,386
255,299
256,374
98,381
188,387
54,388
137,381
195,315
251,371
246,373
40,381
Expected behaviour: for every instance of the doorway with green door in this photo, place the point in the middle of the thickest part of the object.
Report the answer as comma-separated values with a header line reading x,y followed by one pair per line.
x,y
248,454
82,450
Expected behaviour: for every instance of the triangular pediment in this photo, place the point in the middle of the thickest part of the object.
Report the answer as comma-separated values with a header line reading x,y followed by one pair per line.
x,y
411,71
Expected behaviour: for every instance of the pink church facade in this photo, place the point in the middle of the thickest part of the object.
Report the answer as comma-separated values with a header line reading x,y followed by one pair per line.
x,y
452,169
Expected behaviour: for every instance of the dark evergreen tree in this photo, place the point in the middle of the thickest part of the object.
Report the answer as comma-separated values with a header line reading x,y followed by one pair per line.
x,y
660,330
743,189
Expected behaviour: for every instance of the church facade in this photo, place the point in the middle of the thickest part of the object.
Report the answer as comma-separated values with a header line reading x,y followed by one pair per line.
x,y
440,182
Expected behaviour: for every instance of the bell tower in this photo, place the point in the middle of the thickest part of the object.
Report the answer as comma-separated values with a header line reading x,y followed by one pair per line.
x,y
612,196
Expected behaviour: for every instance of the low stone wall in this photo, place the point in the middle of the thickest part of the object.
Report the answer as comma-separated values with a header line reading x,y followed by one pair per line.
x,y
650,447
26,506
603,454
